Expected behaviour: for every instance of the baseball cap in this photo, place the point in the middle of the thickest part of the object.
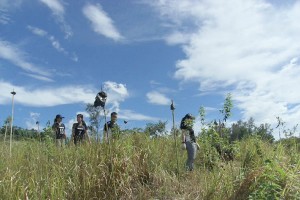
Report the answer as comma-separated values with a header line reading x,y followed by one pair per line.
x,y
59,116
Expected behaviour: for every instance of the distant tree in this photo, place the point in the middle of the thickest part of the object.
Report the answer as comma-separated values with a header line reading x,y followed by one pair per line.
x,y
251,124
156,129
239,130
265,132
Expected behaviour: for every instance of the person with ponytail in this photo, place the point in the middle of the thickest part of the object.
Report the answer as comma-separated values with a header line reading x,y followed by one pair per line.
x,y
189,142
80,131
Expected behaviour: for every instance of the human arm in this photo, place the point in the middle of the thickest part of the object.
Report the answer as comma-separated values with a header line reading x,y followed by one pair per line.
x,y
105,132
198,146
73,134
87,135
54,128
183,145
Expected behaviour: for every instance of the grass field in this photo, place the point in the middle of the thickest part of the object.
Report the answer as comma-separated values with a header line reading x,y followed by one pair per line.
x,y
136,167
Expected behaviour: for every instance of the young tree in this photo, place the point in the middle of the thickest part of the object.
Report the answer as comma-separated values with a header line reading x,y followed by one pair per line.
x,y
202,115
226,110
7,122
95,119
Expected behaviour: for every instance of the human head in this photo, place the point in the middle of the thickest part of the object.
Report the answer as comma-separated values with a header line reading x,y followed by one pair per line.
x,y
79,118
58,118
114,116
189,120
189,116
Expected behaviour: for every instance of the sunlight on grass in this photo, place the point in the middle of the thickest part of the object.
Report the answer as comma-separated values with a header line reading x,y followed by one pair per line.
x,y
141,168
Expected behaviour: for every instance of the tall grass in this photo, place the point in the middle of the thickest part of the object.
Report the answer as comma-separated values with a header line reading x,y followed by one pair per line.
x,y
141,168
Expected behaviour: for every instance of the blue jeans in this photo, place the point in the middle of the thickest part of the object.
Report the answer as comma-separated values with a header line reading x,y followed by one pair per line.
x,y
191,148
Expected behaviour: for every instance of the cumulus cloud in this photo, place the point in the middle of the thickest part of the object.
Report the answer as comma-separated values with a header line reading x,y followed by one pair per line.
x,y
101,22
58,11
116,93
158,98
271,96
12,54
246,46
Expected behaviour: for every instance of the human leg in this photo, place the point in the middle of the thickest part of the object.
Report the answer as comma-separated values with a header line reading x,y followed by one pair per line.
x,y
191,148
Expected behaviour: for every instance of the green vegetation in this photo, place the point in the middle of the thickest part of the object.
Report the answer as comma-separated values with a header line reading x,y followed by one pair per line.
x,y
144,168
241,162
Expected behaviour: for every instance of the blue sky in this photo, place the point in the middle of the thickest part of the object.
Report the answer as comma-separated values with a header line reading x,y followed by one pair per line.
x,y
56,54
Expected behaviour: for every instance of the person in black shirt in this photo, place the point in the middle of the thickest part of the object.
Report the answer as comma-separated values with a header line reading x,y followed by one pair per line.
x,y
111,129
189,140
79,131
60,131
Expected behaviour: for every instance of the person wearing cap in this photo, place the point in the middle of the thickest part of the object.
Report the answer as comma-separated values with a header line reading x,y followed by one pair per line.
x,y
111,129
60,131
79,131
189,140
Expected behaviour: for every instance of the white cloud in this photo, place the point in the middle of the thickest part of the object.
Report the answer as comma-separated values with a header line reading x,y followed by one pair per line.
x,y
11,53
6,7
177,38
4,17
274,95
131,115
31,122
45,96
101,22
37,31
57,45
54,42
241,44
39,77
116,93
58,11
55,5
158,98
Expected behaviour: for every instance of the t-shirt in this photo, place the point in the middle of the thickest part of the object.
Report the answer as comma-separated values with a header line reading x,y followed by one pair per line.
x,y
79,130
59,129
113,129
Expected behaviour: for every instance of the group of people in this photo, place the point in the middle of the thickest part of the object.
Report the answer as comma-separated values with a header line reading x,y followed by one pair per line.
x,y
80,130
111,130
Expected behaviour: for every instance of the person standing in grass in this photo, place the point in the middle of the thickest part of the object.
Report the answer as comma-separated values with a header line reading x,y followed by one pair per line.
x,y
79,131
111,129
189,140
60,131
